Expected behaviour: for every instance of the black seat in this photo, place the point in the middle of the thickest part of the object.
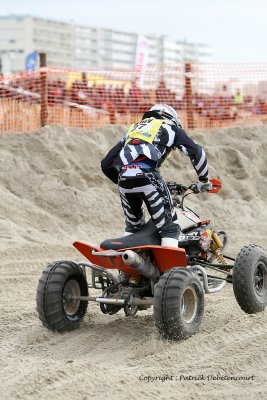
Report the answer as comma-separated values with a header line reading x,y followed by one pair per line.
x,y
147,235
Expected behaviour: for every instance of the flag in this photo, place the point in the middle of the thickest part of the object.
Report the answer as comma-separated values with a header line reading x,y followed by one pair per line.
x,y
31,61
141,59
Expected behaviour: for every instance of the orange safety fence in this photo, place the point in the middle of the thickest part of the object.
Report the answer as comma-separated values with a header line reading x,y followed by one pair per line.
x,y
204,95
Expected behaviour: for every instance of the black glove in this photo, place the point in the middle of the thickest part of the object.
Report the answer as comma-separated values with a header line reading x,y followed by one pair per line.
x,y
176,187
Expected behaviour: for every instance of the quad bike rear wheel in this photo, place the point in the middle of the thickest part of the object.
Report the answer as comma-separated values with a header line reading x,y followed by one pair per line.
x,y
178,304
250,279
57,304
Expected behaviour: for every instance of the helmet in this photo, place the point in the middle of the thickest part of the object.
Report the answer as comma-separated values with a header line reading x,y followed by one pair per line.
x,y
167,112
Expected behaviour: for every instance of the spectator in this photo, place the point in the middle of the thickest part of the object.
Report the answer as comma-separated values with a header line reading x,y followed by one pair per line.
x,y
239,100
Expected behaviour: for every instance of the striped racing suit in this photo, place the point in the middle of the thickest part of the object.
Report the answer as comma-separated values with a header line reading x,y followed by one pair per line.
x,y
134,164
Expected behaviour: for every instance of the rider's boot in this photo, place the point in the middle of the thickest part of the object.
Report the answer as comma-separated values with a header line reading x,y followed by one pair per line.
x,y
169,242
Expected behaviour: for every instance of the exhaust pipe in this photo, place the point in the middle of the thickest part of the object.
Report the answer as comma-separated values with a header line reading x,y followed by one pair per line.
x,y
144,266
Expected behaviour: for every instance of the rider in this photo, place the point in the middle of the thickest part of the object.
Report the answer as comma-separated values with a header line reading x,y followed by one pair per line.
x,y
134,164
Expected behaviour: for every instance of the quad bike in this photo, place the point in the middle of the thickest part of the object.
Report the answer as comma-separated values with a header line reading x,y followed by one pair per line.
x,y
171,279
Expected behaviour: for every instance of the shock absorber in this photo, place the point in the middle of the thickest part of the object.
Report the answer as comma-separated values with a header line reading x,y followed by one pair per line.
x,y
217,240
220,258
217,245
134,280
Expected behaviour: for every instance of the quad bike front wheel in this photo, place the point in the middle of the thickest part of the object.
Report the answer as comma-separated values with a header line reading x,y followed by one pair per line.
x,y
250,279
178,304
58,307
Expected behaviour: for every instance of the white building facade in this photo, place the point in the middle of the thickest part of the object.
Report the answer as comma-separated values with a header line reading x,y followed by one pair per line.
x,y
85,47
21,35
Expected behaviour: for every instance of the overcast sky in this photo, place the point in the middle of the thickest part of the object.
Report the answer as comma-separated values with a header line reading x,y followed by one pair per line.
x,y
236,30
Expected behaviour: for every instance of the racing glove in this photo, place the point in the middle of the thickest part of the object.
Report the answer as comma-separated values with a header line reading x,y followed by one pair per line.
x,y
202,187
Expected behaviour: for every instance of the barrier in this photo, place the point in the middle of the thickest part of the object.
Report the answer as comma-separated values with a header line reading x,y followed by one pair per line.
x,y
204,95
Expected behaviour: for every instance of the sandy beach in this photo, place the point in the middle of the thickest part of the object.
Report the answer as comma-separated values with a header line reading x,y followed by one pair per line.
x,y
52,192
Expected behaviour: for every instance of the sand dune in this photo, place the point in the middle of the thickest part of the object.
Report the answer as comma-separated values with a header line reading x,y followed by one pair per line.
x,y
52,192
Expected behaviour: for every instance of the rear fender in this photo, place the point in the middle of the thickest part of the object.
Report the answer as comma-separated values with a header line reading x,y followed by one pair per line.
x,y
165,257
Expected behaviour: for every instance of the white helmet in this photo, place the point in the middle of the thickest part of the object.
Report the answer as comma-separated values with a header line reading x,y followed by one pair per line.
x,y
167,112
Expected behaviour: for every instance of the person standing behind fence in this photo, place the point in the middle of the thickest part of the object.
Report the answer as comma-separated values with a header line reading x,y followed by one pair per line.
x,y
239,100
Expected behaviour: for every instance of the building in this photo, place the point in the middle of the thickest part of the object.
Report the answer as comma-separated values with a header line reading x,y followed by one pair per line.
x,y
85,47
97,48
110,49
20,35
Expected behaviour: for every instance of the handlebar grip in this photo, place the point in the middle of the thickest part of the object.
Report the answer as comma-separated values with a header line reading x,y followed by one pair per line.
x,y
176,187
193,187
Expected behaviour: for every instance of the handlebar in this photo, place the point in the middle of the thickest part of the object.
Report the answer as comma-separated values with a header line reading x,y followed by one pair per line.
x,y
180,188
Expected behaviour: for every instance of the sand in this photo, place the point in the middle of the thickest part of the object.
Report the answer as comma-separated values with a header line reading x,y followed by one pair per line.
x,y
52,192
